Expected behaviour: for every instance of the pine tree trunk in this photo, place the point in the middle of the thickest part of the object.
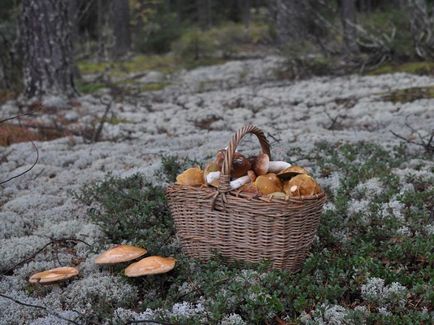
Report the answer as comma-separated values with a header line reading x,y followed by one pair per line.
x,y
121,27
290,20
348,18
47,47
244,7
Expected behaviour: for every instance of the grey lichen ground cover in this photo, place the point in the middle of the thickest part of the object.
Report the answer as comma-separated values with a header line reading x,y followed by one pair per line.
x,y
372,260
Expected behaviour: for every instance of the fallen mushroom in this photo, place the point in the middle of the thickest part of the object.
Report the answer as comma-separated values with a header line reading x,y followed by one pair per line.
x,y
192,177
291,171
120,254
277,166
268,184
54,275
301,185
150,265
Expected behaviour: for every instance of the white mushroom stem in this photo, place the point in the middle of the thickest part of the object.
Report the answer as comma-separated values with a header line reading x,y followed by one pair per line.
x,y
237,183
211,177
277,166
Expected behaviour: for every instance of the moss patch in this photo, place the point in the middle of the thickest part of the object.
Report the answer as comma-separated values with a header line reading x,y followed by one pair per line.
x,y
419,68
408,95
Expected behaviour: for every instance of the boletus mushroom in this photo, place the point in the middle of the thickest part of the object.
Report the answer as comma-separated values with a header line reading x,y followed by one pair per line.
x,y
240,165
269,183
54,275
150,265
301,185
291,171
120,254
260,164
192,177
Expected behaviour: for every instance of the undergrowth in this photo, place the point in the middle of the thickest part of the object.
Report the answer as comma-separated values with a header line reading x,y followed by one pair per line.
x,y
368,265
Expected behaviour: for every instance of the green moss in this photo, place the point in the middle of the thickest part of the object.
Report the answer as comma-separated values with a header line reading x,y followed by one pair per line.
x,y
419,68
154,86
89,88
409,94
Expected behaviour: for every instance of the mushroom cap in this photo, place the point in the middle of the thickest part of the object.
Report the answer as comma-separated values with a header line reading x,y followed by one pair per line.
x,y
252,175
260,164
268,184
240,165
54,275
249,188
150,265
301,185
120,254
192,176
291,171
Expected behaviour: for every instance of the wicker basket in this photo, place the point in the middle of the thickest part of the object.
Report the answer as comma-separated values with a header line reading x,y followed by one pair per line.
x,y
241,227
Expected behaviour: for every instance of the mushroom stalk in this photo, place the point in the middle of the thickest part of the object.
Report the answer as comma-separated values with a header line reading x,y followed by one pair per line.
x,y
212,176
237,183
277,166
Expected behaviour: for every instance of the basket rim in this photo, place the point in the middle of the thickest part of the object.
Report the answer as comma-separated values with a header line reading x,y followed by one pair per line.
x,y
210,190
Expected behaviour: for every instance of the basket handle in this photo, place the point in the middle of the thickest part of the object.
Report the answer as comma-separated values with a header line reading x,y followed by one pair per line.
x,y
225,175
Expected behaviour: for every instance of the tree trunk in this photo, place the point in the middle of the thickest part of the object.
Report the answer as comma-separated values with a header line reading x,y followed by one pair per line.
x,y
244,7
47,47
290,20
204,13
121,27
348,19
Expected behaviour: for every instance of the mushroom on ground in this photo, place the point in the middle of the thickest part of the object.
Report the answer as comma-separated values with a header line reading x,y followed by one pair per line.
x,y
150,265
301,185
268,184
54,275
192,176
120,254
291,171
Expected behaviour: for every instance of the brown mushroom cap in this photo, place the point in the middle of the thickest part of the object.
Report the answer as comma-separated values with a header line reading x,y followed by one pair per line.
x,y
240,165
291,171
260,164
301,185
150,265
120,254
192,176
219,158
268,184
249,188
54,275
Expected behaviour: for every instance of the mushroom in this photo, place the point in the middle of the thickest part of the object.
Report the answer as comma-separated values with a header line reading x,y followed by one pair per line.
x,y
237,183
277,166
120,254
240,165
291,171
301,185
54,275
211,174
150,265
260,164
268,184
192,176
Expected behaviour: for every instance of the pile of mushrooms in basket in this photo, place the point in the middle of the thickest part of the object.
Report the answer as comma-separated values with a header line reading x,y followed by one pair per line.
x,y
255,176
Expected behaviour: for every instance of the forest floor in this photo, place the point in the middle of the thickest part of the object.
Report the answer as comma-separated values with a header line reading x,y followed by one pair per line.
x,y
124,131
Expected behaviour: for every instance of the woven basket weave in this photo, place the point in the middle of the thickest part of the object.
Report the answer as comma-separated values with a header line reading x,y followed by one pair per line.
x,y
240,227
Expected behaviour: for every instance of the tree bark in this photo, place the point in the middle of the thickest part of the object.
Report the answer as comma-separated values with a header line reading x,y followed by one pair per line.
x,y
45,32
244,7
348,19
121,27
204,13
290,20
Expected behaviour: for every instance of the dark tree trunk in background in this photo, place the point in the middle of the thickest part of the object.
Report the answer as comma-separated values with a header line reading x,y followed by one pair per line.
x,y
204,13
290,20
348,18
47,48
244,7
121,27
